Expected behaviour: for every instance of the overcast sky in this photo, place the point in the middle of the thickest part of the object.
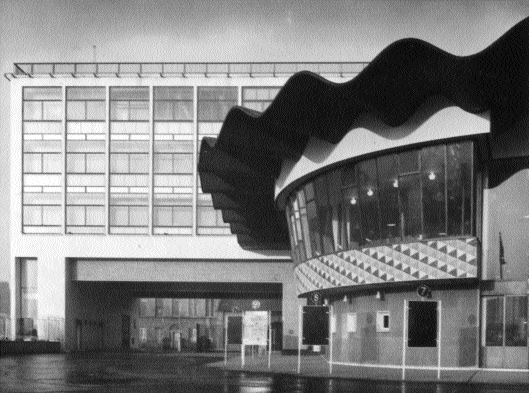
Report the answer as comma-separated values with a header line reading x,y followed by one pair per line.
x,y
231,30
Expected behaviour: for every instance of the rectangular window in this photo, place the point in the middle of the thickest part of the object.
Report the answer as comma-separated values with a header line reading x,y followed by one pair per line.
x,y
129,104
494,322
459,188
215,102
351,322
368,192
258,98
388,182
383,321
85,104
516,321
209,220
173,103
143,335
176,308
433,188
410,201
28,311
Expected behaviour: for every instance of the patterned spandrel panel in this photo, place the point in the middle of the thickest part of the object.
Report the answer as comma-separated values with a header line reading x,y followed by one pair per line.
x,y
422,260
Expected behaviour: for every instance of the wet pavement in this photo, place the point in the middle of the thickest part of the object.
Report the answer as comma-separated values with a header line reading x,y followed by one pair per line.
x,y
170,372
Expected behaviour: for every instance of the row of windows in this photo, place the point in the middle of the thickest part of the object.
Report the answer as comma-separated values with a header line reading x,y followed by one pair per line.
x,y
174,308
132,103
123,212
418,194
119,163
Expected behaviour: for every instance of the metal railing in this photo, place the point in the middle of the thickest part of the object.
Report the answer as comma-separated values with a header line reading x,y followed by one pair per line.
x,y
184,69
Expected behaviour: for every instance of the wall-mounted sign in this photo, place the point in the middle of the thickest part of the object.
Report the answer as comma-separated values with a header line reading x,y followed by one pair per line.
x,y
424,290
315,299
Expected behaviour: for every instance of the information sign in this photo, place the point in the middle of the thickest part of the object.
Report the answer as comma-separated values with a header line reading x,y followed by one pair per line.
x,y
255,328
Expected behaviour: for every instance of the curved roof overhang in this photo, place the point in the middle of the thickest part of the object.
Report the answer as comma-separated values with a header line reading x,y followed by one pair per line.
x,y
239,168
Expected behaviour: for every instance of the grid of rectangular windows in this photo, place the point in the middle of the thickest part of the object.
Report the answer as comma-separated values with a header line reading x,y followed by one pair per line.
x,y
85,159
213,106
115,178
42,160
173,160
129,160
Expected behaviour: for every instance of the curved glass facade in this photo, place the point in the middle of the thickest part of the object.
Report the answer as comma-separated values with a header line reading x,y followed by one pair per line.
x,y
417,194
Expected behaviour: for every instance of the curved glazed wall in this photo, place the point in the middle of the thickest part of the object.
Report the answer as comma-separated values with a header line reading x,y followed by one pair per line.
x,y
403,216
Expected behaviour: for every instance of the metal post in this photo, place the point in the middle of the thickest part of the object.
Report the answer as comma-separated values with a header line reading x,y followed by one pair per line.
x,y
242,343
269,337
439,323
225,340
404,328
299,338
330,339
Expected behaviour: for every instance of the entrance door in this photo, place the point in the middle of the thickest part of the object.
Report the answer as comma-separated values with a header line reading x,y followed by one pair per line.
x,y
125,331
504,337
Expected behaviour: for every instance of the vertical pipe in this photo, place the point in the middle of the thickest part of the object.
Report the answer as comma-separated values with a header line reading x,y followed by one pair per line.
x,y
225,340
242,343
439,323
330,339
299,338
404,323
269,337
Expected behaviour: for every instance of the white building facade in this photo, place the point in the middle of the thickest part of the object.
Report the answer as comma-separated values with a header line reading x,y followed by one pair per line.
x,y
106,203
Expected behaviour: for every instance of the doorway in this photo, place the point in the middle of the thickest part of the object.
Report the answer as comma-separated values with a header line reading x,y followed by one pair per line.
x,y
504,333
422,324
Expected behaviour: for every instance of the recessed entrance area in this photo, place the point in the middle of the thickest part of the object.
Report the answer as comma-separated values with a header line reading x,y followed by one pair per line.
x,y
165,316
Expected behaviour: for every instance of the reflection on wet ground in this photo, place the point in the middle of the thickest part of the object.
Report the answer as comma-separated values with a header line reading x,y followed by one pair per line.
x,y
159,372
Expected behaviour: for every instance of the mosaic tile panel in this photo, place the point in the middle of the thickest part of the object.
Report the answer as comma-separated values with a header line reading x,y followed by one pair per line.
x,y
421,260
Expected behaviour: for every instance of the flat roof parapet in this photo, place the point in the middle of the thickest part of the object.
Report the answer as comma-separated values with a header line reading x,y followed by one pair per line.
x,y
252,69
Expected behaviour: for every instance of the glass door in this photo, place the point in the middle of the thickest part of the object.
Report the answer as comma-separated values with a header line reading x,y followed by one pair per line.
x,y
504,338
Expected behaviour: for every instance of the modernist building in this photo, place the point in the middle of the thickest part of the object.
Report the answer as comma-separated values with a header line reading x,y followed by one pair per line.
x,y
404,199
113,242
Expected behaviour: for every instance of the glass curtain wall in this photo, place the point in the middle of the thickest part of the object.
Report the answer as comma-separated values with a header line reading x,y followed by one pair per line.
x,y
414,195
129,160
173,160
85,160
42,166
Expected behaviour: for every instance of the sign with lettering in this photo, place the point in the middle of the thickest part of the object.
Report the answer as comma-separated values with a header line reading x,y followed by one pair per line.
x,y
255,328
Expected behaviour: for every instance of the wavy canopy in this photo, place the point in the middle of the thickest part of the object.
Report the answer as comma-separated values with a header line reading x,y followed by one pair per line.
x,y
239,168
